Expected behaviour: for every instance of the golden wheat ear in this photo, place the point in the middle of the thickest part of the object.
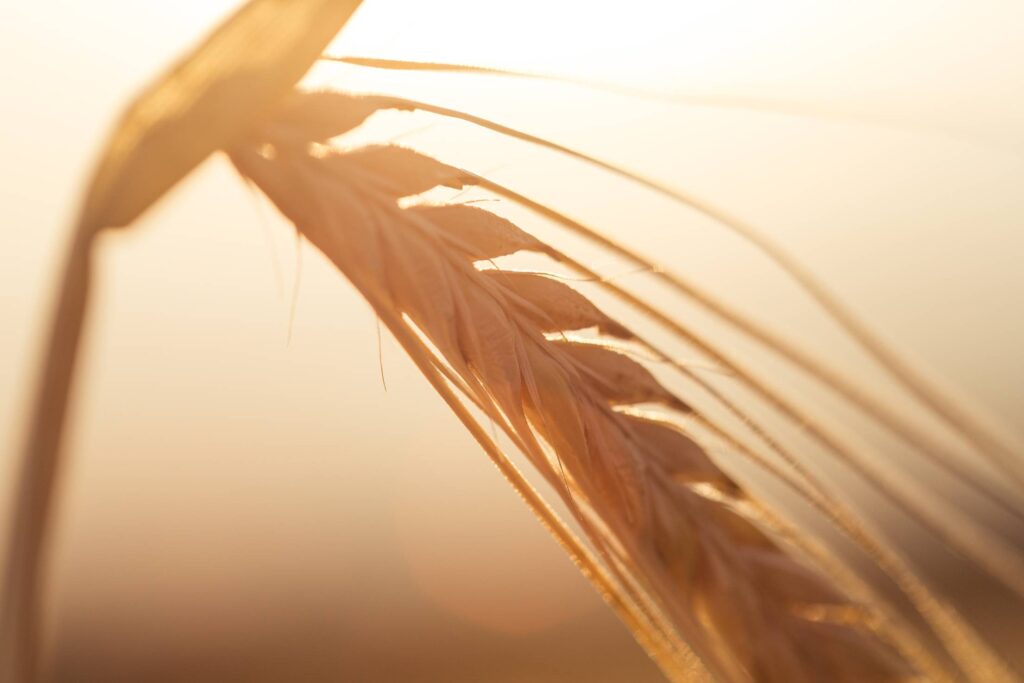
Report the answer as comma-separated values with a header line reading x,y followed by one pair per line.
x,y
960,533
683,551
965,536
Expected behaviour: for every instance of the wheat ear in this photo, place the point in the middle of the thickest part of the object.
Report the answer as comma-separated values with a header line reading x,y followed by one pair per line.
x,y
982,546
329,113
972,654
670,520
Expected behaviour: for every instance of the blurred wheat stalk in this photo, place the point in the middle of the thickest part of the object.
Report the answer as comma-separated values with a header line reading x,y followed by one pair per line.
x,y
710,580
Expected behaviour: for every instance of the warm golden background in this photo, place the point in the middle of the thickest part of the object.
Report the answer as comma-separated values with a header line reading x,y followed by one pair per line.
x,y
245,503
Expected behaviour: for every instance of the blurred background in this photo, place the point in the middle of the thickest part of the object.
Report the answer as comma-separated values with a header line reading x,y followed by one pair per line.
x,y
256,490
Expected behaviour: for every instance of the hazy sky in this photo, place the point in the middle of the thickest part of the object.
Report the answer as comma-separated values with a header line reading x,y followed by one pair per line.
x,y
231,482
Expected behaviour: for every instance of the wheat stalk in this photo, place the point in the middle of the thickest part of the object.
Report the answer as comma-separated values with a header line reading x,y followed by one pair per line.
x,y
670,524
209,98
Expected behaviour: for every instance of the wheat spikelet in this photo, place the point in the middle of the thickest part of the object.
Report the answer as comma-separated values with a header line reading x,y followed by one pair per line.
x,y
670,523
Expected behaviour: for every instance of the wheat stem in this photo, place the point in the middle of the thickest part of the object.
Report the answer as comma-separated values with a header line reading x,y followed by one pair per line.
x,y
32,514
